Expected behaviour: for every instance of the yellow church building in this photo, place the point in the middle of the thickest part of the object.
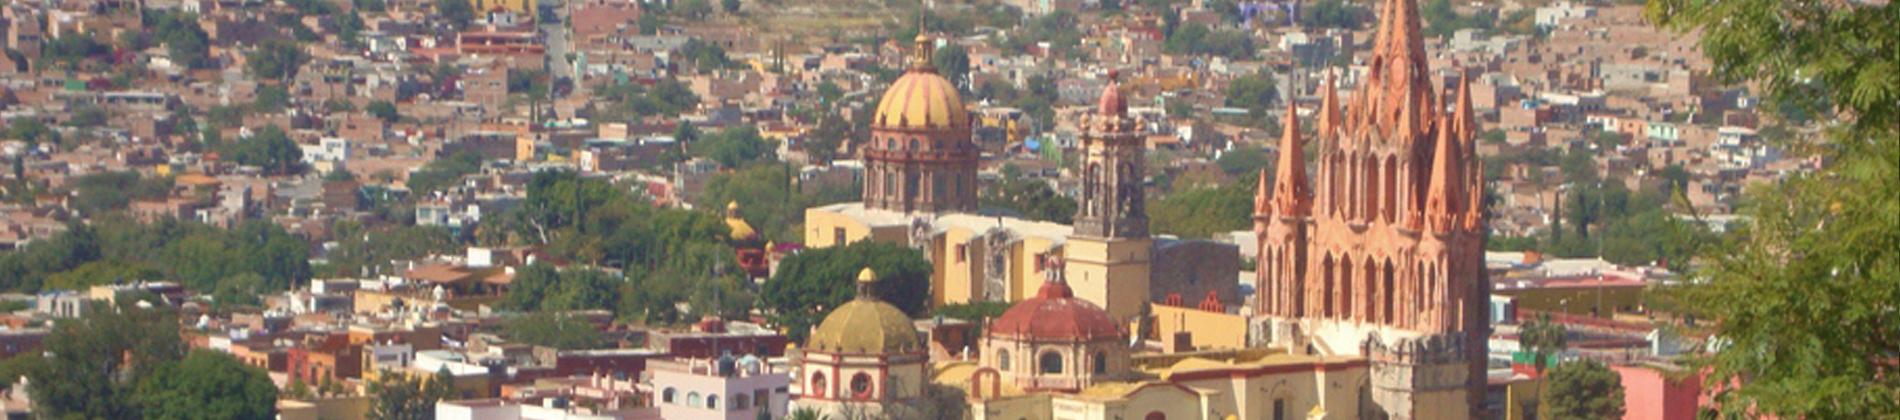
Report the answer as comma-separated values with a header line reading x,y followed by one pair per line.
x,y
920,191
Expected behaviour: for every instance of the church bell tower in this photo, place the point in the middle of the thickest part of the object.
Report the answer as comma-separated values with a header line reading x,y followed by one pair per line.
x,y
1108,256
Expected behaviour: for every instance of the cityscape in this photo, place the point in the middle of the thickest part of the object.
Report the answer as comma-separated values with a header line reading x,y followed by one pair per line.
x,y
965,210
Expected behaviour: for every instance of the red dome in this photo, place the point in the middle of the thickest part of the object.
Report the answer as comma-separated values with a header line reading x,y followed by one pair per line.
x,y
1056,314
1112,102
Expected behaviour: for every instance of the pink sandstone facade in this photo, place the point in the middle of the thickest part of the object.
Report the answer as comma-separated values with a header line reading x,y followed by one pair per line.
x,y
1380,253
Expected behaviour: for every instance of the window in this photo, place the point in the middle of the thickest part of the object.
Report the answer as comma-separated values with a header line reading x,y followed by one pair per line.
x,y
667,395
817,385
741,401
1002,360
692,399
1155,415
914,145
762,398
1051,363
861,386
1101,362
712,401
1279,409
837,236
963,251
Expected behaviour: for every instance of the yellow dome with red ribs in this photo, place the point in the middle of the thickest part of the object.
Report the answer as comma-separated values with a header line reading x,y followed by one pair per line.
x,y
922,98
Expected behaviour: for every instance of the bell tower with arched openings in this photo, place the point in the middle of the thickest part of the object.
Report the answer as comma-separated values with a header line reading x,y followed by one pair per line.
x,y
1108,256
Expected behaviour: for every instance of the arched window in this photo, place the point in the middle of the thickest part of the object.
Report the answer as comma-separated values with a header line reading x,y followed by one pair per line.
x,y
1051,363
1101,362
692,399
890,143
914,145
861,386
667,395
817,385
1002,360
712,401
741,401
938,145
1155,415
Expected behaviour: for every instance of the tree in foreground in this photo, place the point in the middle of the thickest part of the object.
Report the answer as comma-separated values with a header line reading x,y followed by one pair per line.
x,y
810,284
1803,297
86,374
207,385
1582,390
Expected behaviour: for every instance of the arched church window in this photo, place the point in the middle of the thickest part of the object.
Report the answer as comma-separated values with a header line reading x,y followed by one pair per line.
x,y
1051,363
1002,360
667,395
712,401
692,399
1101,362
1155,415
914,146
861,386
817,385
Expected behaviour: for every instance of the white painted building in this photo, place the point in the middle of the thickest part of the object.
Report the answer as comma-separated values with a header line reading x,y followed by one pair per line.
x,y
723,389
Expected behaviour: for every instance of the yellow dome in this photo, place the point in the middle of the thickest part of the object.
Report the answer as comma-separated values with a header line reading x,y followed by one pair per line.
x,y
741,229
922,99
865,326
867,275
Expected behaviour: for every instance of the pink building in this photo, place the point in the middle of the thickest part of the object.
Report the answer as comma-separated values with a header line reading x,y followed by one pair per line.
x,y
722,389
1650,394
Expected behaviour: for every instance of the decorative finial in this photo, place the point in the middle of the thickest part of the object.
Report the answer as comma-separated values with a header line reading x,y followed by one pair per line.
x,y
867,281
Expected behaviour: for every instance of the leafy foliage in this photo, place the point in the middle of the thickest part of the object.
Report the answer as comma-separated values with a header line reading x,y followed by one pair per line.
x,y
953,62
1202,212
113,191
1441,20
1255,92
566,332
457,12
1805,293
360,248
443,173
1199,40
1582,390
207,385
96,363
384,110
1334,14
734,147
768,200
811,283
540,287
269,148
632,100
277,59
1029,198
190,253
397,396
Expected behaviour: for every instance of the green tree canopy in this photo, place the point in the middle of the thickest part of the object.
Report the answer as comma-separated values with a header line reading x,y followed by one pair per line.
x,y
1803,296
457,12
1202,212
1030,198
384,110
1582,390
269,148
277,59
207,385
87,374
810,284
953,62
566,332
734,147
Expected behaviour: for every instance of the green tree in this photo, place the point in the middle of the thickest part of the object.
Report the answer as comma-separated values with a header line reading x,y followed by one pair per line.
x,y
398,396
457,12
384,110
207,385
953,62
270,99
1203,212
734,147
1543,338
1803,295
269,148
696,9
277,59
730,6
1582,390
1032,199
1333,14
97,362
1255,92
566,332
72,49
443,173
810,284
